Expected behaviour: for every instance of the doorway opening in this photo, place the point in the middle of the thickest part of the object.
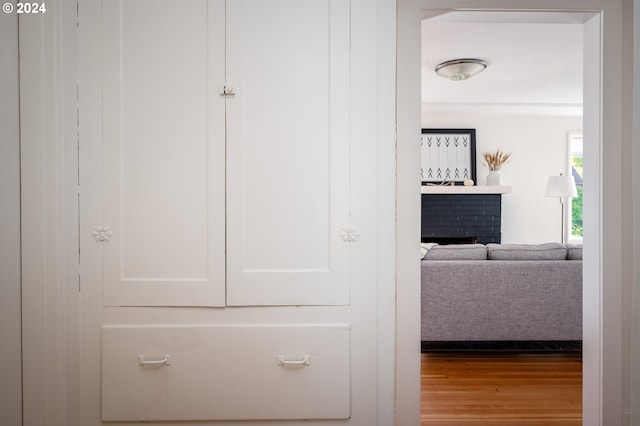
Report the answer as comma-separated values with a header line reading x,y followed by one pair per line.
x,y
592,222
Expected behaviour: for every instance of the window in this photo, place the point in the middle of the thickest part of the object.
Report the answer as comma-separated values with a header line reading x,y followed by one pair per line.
x,y
575,204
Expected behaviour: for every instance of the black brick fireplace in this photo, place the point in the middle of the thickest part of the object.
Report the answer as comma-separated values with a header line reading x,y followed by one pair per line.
x,y
461,218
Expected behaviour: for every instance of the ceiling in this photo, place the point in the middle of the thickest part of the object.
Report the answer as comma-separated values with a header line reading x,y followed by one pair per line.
x,y
534,62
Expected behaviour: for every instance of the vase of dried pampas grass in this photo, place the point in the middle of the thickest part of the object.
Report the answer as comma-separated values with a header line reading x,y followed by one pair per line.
x,y
494,161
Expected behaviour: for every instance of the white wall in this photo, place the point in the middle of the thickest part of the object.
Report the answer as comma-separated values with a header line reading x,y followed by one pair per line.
x,y
10,349
52,383
539,149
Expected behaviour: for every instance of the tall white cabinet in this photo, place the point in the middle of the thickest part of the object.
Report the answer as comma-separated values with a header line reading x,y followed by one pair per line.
x,y
226,254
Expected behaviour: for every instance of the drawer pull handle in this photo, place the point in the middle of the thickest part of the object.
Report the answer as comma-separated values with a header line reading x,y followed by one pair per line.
x,y
294,363
146,363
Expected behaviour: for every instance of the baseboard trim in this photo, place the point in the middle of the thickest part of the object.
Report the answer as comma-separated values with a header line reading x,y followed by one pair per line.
x,y
503,346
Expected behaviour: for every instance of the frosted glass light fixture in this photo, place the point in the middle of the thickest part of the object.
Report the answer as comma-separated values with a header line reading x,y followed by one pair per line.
x,y
460,69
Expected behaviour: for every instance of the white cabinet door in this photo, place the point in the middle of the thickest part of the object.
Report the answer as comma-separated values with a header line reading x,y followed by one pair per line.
x,y
163,153
288,152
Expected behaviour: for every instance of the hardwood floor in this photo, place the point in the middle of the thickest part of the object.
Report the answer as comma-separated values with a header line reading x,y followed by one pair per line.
x,y
501,389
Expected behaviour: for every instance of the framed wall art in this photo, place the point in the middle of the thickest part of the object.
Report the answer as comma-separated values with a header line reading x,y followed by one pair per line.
x,y
448,156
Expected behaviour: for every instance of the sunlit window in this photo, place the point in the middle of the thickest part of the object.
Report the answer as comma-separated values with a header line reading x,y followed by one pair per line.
x,y
575,204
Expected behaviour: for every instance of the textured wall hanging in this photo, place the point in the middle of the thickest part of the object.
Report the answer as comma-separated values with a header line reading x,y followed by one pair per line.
x,y
448,155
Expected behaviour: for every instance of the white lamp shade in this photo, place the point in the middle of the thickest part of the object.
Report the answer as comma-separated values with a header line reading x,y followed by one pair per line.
x,y
561,186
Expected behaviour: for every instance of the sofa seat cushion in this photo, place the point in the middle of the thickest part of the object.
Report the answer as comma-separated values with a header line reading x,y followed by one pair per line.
x,y
457,252
548,251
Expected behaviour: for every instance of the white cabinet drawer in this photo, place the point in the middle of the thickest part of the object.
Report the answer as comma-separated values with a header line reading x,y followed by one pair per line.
x,y
225,372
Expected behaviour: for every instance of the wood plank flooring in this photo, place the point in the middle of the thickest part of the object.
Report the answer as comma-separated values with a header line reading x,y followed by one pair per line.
x,y
501,389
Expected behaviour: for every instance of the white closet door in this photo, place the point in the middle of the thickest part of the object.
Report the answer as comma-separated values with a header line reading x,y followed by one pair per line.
x,y
163,147
288,152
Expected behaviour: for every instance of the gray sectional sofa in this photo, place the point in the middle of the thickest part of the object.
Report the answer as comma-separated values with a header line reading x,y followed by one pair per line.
x,y
508,292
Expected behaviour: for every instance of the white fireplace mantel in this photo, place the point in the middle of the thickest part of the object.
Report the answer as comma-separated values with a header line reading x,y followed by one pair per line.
x,y
461,189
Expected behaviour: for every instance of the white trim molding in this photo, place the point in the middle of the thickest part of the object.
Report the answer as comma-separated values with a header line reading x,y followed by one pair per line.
x,y
49,170
10,310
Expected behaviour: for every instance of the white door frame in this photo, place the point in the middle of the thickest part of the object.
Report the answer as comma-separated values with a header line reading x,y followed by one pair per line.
x,y
602,340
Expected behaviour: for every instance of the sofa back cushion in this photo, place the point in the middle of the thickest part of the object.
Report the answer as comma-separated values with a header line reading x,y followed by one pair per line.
x,y
574,251
457,252
548,251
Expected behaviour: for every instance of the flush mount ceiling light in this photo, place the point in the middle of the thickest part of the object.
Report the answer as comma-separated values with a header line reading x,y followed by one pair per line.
x,y
460,69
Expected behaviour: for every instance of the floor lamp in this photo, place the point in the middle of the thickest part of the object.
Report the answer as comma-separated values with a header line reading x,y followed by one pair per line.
x,y
562,187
